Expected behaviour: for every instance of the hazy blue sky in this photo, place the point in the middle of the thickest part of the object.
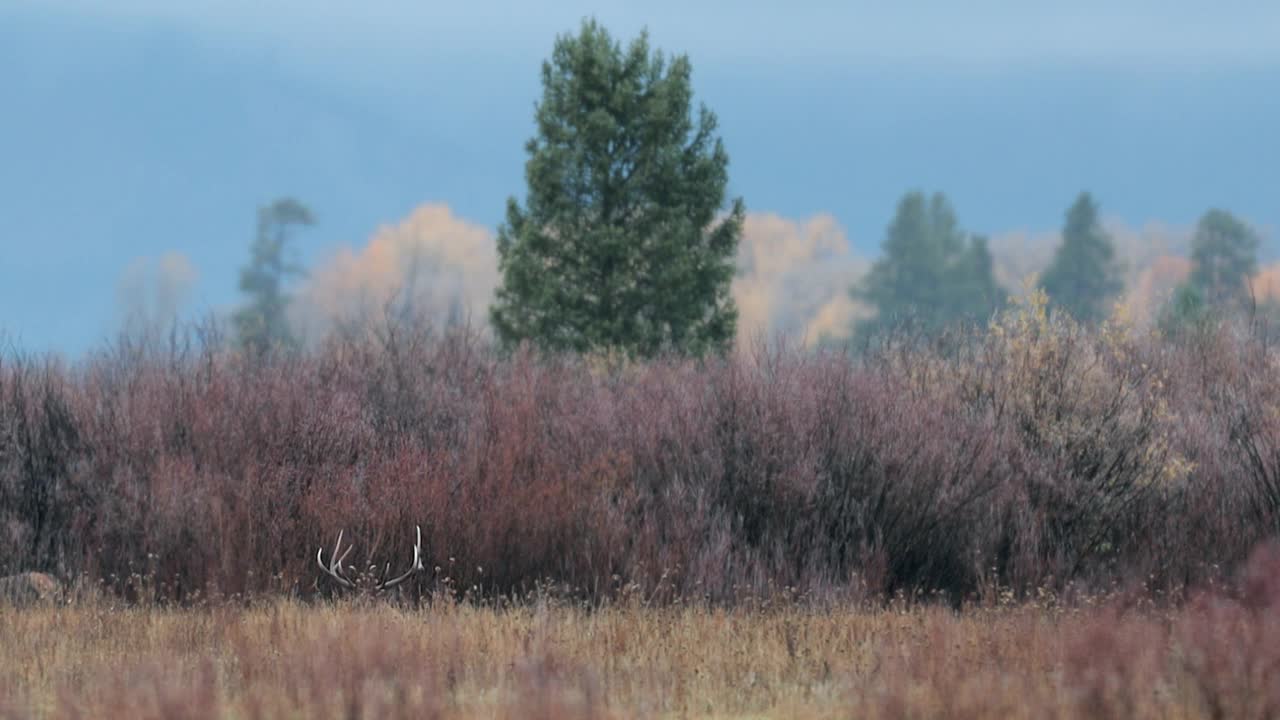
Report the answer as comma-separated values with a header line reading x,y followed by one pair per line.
x,y
738,29
132,128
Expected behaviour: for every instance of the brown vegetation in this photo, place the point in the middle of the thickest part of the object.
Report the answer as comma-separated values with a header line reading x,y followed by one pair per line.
x,y
921,530
1219,656
30,588
1035,455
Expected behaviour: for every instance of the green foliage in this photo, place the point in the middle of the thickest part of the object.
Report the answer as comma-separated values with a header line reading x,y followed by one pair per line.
x,y
977,294
621,245
1084,277
932,273
1224,256
1186,313
261,324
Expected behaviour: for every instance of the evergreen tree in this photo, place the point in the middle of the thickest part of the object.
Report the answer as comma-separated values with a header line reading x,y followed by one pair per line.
x,y
261,324
621,244
1223,258
1084,278
1186,313
978,294
932,274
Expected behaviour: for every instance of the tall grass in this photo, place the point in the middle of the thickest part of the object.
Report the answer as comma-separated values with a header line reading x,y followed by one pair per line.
x,y
1217,656
1036,454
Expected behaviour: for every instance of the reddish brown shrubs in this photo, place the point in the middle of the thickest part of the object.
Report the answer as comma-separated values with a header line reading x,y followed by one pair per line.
x,y
1036,455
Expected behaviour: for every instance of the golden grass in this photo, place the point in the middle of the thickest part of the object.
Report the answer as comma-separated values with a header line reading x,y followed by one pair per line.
x,y
550,660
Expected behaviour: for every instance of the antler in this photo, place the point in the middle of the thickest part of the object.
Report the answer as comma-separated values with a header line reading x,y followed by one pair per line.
x,y
334,569
416,566
335,565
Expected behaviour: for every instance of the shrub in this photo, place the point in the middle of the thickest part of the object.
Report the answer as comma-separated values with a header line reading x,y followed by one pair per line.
x,y
1035,454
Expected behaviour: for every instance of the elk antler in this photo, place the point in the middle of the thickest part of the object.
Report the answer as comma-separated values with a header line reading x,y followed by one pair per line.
x,y
334,569
335,565
416,566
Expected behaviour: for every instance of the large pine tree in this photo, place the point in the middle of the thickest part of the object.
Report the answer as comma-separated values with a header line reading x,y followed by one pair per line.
x,y
622,243
1084,277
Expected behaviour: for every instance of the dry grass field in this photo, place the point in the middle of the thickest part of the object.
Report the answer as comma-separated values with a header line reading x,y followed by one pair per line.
x,y
285,659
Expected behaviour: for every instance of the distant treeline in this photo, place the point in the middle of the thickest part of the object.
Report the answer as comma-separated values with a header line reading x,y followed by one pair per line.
x,y
626,240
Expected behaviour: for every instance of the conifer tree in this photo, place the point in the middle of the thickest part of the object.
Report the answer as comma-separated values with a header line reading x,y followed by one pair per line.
x,y
1223,257
623,243
1084,277
261,324
932,274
